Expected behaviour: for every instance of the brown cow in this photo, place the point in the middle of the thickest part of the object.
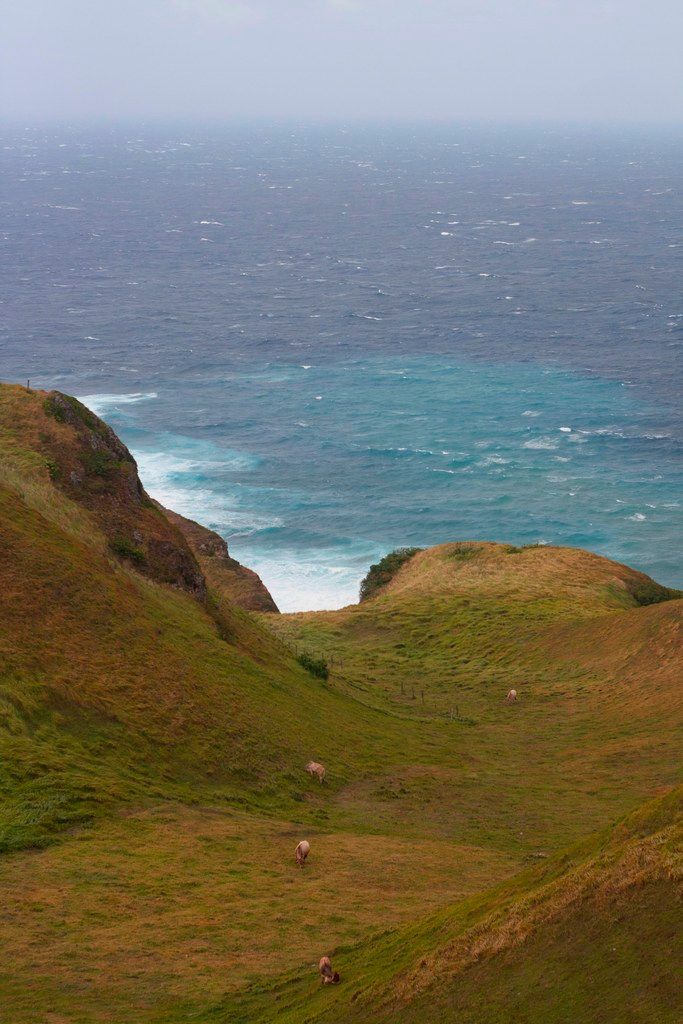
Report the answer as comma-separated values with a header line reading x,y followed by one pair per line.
x,y
511,697
313,768
301,853
327,975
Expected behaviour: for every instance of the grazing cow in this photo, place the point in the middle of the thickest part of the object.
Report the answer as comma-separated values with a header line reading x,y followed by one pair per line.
x,y
327,975
511,697
313,768
301,853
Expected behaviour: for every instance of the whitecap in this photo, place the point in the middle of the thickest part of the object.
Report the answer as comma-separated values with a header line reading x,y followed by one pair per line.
x,y
100,404
542,444
494,460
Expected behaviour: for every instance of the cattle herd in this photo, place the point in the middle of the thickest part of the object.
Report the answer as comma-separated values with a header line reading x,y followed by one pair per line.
x,y
327,975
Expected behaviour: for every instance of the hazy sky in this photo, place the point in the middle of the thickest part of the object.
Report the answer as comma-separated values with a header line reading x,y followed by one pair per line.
x,y
597,60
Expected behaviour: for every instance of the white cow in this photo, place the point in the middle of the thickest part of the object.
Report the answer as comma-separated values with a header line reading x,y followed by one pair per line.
x,y
313,768
327,975
302,851
511,697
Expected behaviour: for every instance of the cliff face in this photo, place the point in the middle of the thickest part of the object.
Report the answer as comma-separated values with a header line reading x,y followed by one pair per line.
x,y
87,461
242,586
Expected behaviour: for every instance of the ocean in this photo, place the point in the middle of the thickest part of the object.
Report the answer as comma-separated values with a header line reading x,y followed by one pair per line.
x,y
325,342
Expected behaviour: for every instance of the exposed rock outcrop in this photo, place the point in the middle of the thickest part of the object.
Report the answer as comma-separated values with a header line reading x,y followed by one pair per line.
x,y
92,466
240,585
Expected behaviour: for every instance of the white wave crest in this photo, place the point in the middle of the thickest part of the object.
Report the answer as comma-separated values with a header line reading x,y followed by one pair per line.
x,y
100,404
541,443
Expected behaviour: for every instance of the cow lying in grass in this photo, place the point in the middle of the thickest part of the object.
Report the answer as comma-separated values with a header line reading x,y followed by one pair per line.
x,y
327,975
301,853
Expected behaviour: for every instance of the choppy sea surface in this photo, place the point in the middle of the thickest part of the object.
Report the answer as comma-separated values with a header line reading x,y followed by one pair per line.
x,y
328,342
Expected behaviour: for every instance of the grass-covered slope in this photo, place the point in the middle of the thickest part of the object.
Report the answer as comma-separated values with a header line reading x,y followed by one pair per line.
x,y
591,935
597,723
116,686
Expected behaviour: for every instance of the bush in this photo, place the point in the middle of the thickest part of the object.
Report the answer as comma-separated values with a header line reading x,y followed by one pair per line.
x,y
463,552
125,549
384,571
646,592
316,666
98,463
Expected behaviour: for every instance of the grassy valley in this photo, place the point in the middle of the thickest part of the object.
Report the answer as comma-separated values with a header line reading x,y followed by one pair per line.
x,y
156,718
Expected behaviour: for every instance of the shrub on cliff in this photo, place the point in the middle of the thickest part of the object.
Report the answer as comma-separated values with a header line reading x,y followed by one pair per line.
x,y
383,572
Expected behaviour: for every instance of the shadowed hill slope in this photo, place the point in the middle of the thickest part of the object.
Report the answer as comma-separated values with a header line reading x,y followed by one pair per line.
x,y
89,464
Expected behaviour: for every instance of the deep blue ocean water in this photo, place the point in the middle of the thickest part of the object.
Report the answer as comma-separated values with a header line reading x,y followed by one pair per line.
x,y
328,342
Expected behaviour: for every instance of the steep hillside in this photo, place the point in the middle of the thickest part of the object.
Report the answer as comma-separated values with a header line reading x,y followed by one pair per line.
x,y
115,685
90,465
240,585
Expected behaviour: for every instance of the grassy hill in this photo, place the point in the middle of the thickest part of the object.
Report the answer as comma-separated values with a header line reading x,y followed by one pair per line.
x,y
115,684
590,935
153,733
596,726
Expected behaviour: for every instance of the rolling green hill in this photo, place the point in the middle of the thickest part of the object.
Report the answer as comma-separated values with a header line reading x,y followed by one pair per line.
x,y
154,732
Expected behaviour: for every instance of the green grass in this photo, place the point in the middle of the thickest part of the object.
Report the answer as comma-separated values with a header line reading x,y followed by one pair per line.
x,y
592,934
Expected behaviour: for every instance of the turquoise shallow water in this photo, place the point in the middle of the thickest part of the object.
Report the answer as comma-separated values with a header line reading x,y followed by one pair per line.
x,y
327,342
340,462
